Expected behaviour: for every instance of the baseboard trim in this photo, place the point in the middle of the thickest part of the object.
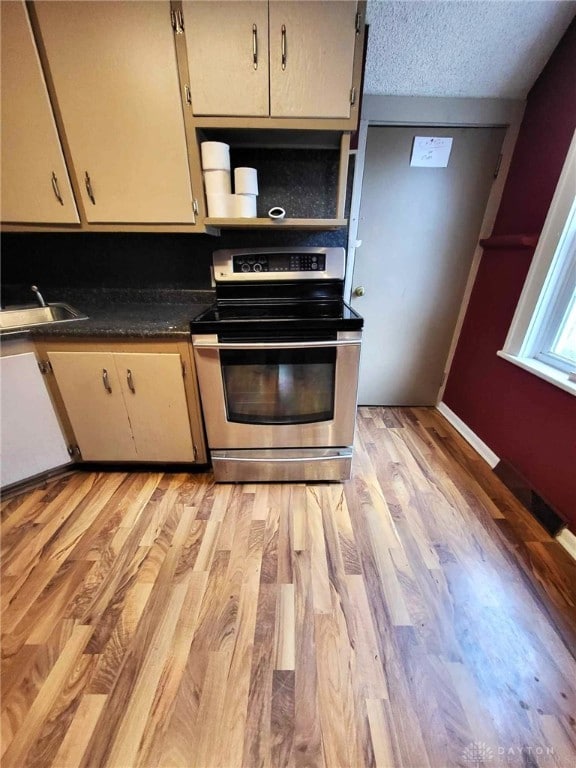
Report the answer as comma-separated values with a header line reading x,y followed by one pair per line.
x,y
567,540
471,437
36,481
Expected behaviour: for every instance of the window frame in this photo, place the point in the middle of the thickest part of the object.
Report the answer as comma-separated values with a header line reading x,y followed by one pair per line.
x,y
546,293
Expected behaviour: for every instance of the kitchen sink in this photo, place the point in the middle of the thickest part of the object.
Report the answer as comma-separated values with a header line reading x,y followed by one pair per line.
x,y
20,318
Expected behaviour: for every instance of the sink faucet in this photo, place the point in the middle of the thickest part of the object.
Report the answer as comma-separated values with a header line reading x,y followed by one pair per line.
x,y
38,295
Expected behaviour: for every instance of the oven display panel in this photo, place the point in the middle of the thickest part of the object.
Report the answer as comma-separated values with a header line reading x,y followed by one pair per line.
x,y
280,262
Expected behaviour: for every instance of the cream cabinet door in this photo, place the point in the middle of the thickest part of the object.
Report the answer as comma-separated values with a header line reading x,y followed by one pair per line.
x,y
155,399
311,57
228,56
114,70
91,392
35,183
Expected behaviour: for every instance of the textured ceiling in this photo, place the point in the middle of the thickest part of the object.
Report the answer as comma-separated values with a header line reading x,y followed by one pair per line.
x,y
475,48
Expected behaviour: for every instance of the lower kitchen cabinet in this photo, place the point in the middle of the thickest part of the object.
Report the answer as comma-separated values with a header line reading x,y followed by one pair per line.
x,y
127,405
31,438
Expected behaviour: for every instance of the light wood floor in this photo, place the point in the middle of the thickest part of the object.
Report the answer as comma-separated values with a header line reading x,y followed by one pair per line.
x,y
413,617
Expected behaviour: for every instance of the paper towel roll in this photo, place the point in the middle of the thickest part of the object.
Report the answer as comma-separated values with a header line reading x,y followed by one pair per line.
x,y
215,156
217,182
245,181
221,205
244,206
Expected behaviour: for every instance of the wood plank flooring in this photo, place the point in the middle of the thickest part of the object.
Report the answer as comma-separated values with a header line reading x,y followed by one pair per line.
x,y
414,617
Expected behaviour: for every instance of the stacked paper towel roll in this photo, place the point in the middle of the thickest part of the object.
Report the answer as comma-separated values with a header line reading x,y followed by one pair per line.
x,y
244,206
221,205
246,191
245,181
215,156
216,167
217,182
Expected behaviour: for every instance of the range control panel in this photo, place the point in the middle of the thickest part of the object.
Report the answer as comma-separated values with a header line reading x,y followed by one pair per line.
x,y
280,262
269,265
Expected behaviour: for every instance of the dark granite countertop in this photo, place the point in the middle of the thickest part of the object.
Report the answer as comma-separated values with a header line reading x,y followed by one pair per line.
x,y
125,313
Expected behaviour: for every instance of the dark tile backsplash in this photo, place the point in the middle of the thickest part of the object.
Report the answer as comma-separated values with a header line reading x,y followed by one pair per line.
x,y
129,260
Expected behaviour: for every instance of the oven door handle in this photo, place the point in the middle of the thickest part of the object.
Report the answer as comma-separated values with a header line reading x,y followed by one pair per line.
x,y
277,345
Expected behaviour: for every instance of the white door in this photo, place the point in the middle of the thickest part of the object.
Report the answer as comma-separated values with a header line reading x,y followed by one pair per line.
x,y
31,438
419,228
115,75
311,58
35,183
227,48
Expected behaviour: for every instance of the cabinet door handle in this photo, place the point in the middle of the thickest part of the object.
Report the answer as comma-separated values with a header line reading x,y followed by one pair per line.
x,y
105,381
255,45
89,189
130,381
56,189
283,46
177,19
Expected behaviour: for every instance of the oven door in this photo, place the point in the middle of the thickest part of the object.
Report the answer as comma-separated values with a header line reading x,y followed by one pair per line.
x,y
278,394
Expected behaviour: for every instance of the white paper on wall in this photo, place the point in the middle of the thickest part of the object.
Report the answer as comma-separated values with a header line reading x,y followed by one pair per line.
x,y
431,151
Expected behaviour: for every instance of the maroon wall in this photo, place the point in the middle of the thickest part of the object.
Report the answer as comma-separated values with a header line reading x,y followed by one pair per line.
x,y
525,420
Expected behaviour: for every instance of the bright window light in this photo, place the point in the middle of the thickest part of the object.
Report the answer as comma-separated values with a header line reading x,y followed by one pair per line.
x,y
564,345
542,337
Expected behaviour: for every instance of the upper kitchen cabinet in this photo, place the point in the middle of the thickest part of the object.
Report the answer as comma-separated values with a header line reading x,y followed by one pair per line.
x,y
283,59
35,183
115,85
311,58
227,46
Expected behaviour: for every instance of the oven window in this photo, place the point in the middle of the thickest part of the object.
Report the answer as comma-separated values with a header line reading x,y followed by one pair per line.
x,y
288,386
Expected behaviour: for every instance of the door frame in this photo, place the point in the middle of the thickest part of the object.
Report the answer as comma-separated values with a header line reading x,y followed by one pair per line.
x,y
423,111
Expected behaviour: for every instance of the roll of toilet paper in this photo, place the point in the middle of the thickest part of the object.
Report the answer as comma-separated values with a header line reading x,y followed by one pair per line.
x,y
221,205
215,156
245,181
277,213
245,206
217,182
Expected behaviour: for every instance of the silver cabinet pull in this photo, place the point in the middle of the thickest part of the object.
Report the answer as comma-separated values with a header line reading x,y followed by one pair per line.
x,y
177,19
56,189
89,189
188,94
130,381
255,45
283,46
359,291
105,381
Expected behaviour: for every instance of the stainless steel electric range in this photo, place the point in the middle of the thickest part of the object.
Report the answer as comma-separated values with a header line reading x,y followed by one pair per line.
x,y
277,358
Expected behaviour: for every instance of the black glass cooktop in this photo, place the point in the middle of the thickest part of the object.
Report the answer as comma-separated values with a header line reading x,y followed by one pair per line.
x,y
250,316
